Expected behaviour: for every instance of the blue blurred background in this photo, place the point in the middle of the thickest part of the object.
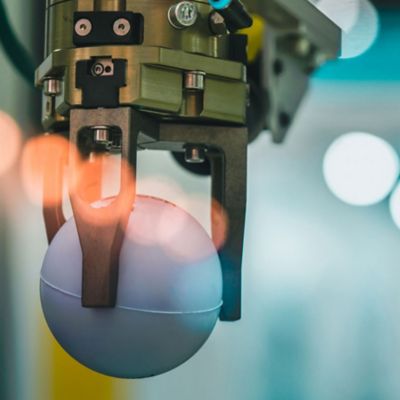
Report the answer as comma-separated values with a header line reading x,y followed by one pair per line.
x,y
321,317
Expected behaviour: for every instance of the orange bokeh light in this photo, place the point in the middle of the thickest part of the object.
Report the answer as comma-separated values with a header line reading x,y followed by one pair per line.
x,y
10,142
177,244
43,163
87,183
46,161
172,230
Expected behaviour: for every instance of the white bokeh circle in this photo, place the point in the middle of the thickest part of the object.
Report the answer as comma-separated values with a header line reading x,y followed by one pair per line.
x,y
361,169
363,33
359,21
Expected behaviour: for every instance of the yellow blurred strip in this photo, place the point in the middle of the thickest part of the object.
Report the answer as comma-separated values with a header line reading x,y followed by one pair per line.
x,y
72,381
255,36
67,379
60,377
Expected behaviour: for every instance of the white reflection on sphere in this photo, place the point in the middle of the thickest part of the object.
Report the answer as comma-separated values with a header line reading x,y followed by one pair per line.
x,y
361,169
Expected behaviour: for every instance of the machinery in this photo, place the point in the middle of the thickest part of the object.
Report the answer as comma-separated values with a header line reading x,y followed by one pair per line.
x,y
201,79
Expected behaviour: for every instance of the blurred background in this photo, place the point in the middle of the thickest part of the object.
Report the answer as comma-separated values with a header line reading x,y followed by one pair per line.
x,y
321,315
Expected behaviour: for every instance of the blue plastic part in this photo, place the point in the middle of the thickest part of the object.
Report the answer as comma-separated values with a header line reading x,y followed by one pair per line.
x,y
167,303
219,4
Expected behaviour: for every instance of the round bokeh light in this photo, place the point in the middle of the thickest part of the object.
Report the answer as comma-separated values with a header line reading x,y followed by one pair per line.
x,y
361,169
358,20
363,33
10,142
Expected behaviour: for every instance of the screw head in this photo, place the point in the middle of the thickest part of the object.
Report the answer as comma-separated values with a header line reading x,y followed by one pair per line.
x,y
122,27
194,80
183,14
83,27
52,87
101,134
97,69
195,154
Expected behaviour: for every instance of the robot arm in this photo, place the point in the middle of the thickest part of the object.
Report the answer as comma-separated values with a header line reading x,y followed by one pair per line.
x,y
125,75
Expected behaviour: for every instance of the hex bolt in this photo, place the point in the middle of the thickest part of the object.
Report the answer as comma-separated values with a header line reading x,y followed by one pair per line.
x,y
52,87
194,80
83,27
195,154
122,27
183,15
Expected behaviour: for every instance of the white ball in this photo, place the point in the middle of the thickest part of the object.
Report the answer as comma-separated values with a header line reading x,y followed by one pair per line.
x,y
361,169
167,304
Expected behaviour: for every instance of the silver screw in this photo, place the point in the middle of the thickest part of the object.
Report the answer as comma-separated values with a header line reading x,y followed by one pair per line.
x,y
122,27
194,80
183,14
83,27
52,87
101,134
195,154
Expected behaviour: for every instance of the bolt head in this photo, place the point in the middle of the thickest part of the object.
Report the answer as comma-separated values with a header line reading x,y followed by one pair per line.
x,y
183,14
122,27
194,80
52,87
195,154
98,69
83,27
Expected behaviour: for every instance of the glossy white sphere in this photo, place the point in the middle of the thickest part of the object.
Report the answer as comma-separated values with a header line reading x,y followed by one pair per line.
x,y
167,305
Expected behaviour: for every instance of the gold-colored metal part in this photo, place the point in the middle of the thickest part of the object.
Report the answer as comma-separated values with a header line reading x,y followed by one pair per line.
x,y
157,31
155,69
297,39
154,81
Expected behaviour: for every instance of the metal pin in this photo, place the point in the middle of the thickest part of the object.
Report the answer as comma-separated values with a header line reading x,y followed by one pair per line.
x,y
195,154
52,87
194,80
101,134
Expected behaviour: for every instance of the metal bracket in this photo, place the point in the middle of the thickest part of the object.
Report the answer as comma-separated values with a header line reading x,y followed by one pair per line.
x,y
101,243
227,152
